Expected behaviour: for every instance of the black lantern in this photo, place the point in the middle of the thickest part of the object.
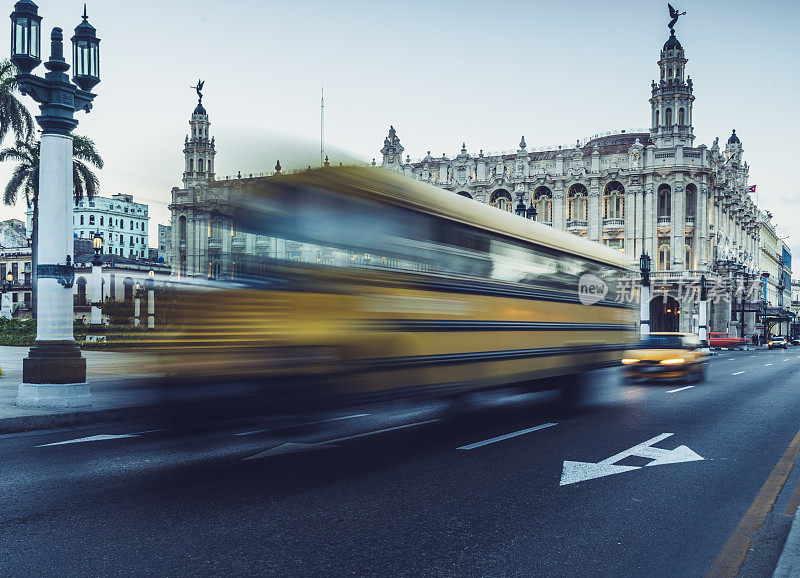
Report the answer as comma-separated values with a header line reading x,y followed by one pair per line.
x,y
97,243
26,36
85,55
531,212
520,210
644,266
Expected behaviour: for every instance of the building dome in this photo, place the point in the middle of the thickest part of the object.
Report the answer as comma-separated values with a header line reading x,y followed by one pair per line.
x,y
734,139
672,43
200,110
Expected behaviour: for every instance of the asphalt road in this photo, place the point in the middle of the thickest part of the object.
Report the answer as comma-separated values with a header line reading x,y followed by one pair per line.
x,y
395,489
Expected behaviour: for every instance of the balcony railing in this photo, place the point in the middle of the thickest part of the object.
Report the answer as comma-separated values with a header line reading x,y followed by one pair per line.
x,y
690,221
576,224
238,242
664,221
215,244
614,223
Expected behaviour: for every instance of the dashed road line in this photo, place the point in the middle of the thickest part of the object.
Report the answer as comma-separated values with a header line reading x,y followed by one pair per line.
x,y
737,373
506,436
784,360
97,438
258,431
680,389
767,364
290,448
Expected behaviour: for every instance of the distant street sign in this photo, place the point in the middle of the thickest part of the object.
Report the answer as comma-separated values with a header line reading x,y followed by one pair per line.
x,y
574,472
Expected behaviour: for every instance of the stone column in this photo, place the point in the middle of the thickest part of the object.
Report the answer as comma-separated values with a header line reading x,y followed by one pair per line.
x,y
594,211
54,373
678,228
558,206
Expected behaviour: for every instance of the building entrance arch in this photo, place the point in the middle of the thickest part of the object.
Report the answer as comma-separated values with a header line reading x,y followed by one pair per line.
x,y
664,314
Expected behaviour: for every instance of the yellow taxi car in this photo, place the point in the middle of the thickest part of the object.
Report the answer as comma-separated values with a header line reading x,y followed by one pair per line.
x,y
666,356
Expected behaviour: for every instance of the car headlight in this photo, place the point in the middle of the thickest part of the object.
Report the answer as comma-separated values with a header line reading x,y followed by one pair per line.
x,y
629,361
673,361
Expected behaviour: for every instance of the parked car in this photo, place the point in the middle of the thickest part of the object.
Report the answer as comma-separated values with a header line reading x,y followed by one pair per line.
x,y
666,356
777,341
722,339
795,341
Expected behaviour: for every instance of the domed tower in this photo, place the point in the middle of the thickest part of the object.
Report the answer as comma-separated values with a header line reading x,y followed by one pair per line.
x,y
733,149
198,148
392,151
671,100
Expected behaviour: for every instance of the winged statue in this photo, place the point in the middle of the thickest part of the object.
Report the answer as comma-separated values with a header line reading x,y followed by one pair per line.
x,y
199,88
674,14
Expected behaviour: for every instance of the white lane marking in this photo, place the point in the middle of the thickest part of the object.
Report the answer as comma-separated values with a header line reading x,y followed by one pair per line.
x,y
506,436
751,356
258,431
785,360
680,389
737,373
767,364
97,438
581,471
290,448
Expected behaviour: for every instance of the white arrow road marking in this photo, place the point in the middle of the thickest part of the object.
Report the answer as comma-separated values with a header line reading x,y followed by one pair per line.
x,y
290,448
258,431
581,471
97,438
680,389
737,373
506,436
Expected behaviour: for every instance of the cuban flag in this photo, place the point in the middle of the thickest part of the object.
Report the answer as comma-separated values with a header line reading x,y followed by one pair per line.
x,y
769,215
751,189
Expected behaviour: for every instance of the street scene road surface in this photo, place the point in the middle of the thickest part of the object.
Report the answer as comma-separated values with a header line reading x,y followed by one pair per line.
x,y
488,487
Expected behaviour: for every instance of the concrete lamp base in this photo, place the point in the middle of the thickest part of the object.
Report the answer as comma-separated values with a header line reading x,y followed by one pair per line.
x,y
54,375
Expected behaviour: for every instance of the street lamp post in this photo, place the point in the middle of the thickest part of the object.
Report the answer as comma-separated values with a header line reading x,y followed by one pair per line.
x,y
96,319
151,302
137,307
781,287
531,211
644,305
54,373
5,296
703,312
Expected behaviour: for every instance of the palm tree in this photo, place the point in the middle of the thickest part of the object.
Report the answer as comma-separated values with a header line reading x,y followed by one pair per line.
x,y
14,117
25,179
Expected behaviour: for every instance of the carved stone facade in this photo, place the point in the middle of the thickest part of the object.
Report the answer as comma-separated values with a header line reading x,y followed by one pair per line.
x,y
648,191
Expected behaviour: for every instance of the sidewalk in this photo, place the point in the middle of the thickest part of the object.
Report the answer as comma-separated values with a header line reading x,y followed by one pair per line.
x,y
789,562
113,377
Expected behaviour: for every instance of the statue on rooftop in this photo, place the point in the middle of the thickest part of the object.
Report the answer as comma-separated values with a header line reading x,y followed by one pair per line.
x,y
674,14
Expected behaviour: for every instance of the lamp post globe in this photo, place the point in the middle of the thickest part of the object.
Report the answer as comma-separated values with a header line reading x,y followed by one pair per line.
x,y
26,36
9,278
85,55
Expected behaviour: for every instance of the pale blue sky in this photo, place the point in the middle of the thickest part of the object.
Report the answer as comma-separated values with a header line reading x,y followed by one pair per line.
x,y
441,72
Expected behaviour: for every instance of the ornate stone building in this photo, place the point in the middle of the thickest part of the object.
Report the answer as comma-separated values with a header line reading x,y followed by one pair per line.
x,y
649,191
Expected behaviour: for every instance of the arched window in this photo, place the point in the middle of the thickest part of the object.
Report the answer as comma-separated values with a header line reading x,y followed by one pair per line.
x,y
502,200
681,117
200,165
91,219
691,200
127,283
658,118
543,198
663,258
664,201
614,201
80,298
81,219
577,203
191,165
182,228
668,117
101,220
688,262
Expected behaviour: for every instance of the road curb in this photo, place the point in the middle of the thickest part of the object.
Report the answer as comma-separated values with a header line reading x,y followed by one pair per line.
x,y
67,419
789,562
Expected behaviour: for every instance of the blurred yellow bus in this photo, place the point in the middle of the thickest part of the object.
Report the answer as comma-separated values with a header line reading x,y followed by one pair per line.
x,y
368,282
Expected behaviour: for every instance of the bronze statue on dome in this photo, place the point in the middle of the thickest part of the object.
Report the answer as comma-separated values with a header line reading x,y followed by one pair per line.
x,y
674,14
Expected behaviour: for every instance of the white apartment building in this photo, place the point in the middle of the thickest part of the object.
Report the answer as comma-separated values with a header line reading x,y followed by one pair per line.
x,y
122,222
